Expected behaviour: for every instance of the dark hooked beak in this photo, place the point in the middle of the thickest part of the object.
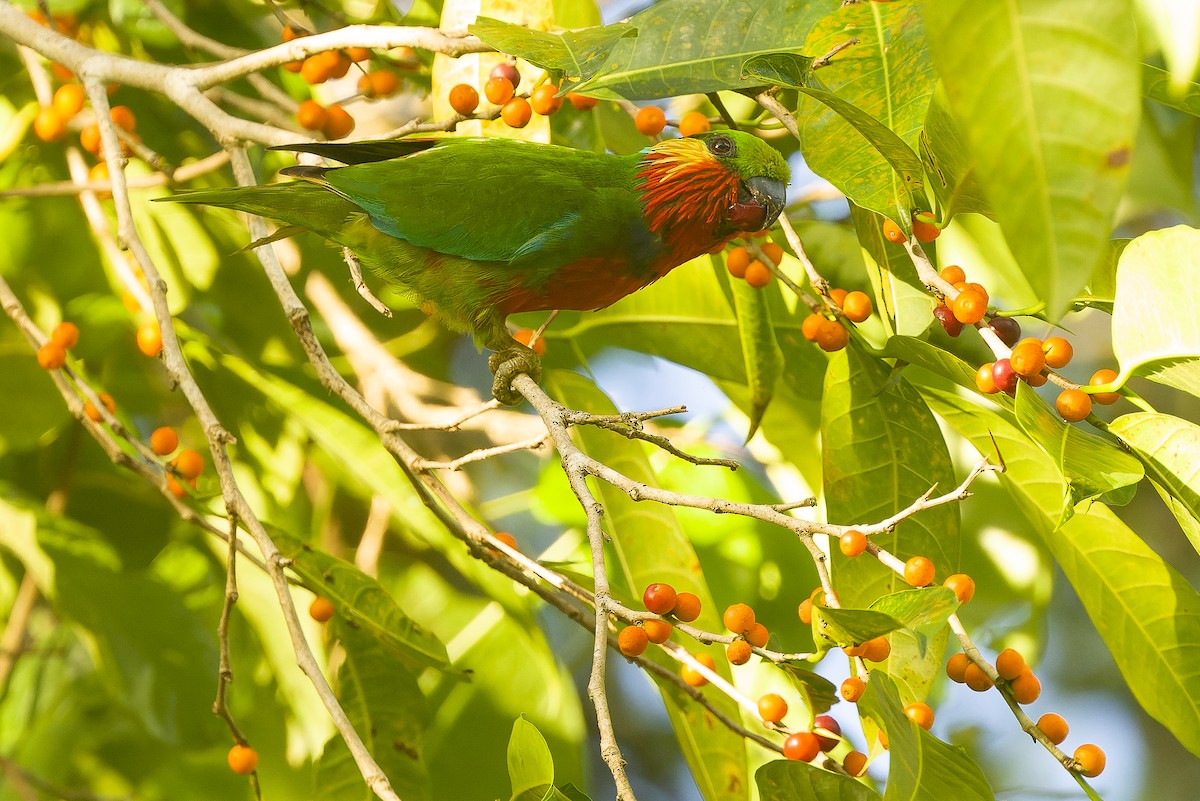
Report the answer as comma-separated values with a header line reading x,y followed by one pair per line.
x,y
759,203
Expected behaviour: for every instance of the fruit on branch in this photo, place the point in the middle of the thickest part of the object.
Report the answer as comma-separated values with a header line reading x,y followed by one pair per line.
x,y
773,251
544,100
1058,352
802,746
952,274
811,325
1026,688
1054,727
591,229
659,598
339,124
498,90
242,759
956,667
758,635
946,317
924,230
829,724
582,102
738,652
687,607
758,275
1073,405
516,113
853,688
164,440
739,618
975,678
832,336
51,356
693,676
893,232
984,380
855,763
1008,329
857,306
464,99
508,71
852,543
650,120
65,334
1104,376
772,708
805,612
632,641
189,464
93,414
149,339
969,307
877,649
921,714
918,571
962,585
357,54
506,538
379,83
657,631
737,260
1027,358
1090,760
693,122
321,609
1004,376
311,115
1010,664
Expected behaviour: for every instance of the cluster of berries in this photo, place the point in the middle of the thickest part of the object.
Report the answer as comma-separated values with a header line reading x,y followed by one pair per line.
x,y
515,110
651,120
829,333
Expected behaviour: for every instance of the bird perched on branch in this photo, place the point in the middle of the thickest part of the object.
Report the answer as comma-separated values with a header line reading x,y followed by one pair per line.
x,y
479,229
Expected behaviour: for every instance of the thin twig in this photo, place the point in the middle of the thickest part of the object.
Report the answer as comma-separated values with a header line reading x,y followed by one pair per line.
x,y
484,453
360,285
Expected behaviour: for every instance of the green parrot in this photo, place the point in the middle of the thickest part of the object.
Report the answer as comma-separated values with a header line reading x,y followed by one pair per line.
x,y
478,229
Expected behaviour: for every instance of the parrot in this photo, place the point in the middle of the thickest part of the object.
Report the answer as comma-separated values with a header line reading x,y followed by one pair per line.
x,y
478,228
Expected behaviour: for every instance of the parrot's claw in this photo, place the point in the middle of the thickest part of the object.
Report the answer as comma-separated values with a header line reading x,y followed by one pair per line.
x,y
506,365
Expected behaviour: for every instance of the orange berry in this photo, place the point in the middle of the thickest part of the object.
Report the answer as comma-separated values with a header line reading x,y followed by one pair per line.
x,y
693,676
123,118
855,763
758,635
853,543
877,649
802,746
289,33
832,336
853,688
498,90
632,641
817,596
65,334
650,120
693,122
918,571
1054,727
738,652
739,618
1105,376
925,231
321,609
687,607
657,631
969,307
93,413
920,714
582,102
893,233
1090,760
175,488
149,339
985,381
772,708
525,335
52,355
838,296
660,598
188,463
811,325
956,667
464,99
312,115
506,538
976,679
319,67
855,650
1028,358
544,100
49,125
339,124
953,274
516,113
357,54
1073,404
243,760
294,66
1026,688
381,83
773,251
856,306
89,139
68,100
737,260
805,612
1058,352
341,65
164,440
962,585
758,275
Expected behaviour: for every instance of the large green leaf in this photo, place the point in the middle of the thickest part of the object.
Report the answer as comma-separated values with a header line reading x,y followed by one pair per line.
x,y
1145,611
1170,449
785,780
1046,92
882,451
579,54
948,164
1156,331
1156,85
688,46
760,350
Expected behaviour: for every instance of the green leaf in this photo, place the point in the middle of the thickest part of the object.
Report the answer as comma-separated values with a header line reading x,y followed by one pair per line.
x,y
1047,95
760,350
1156,85
923,610
819,692
579,54
786,780
851,626
882,451
948,163
935,360
1145,611
1093,466
698,46
530,764
922,766
1170,450
1156,332
360,599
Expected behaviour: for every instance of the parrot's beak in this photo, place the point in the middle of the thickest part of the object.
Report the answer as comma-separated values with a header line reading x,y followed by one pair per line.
x,y
770,194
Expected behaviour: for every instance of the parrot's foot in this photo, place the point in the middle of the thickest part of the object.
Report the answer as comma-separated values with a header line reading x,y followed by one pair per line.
x,y
506,365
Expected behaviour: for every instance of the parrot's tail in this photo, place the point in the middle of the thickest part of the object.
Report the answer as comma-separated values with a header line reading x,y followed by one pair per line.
x,y
300,203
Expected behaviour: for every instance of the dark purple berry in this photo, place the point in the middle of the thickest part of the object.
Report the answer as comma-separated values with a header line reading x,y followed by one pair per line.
x,y
1008,329
506,69
1004,376
948,320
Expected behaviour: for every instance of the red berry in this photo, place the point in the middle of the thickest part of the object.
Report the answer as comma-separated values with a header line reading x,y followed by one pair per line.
x,y
947,319
1004,376
659,598
803,746
829,724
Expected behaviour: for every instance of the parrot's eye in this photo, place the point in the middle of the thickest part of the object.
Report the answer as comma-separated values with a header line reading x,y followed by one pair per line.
x,y
721,146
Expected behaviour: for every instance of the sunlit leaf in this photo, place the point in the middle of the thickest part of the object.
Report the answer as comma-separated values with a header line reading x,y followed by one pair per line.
x,y
1170,449
786,780
580,54
760,350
